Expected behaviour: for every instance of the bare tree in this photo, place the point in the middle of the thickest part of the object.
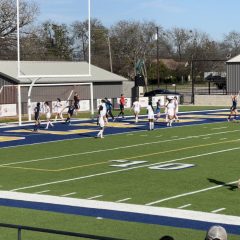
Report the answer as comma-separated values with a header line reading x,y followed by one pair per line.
x,y
28,12
232,43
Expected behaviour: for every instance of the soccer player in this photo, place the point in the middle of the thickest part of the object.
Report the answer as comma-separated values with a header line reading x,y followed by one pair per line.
x,y
101,121
58,109
233,109
170,109
70,112
76,100
158,109
109,108
176,109
150,112
136,109
37,117
48,114
122,103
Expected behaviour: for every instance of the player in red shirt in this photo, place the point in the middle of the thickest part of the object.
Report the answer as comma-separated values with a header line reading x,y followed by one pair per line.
x,y
122,103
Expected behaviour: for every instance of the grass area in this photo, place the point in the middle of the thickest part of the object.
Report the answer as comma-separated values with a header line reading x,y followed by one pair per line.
x,y
200,145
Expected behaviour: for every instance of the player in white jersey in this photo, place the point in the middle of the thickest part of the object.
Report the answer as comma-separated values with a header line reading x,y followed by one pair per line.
x,y
150,112
101,121
104,109
136,109
58,109
176,109
48,114
170,109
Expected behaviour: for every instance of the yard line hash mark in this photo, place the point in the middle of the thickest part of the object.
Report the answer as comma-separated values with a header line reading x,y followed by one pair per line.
x,y
123,200
68,194
185,206
42,192
94,197
218,210
122,170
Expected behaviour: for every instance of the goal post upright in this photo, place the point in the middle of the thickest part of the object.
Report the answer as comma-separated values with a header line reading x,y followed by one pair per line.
x,y
23,75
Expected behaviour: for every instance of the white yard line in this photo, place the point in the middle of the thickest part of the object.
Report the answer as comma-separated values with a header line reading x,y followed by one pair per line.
x,y
185,206
223,138
123,200
68,194
189,193
218,210
94,197
42,192
123,170
116,148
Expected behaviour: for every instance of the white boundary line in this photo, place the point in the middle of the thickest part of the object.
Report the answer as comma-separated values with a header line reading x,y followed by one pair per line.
x,y
122,170
189,193
117,148
121,207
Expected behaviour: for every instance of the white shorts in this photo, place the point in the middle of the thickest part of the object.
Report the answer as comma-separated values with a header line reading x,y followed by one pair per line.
x,y
136,111
48,115
170,112
101,123
151,116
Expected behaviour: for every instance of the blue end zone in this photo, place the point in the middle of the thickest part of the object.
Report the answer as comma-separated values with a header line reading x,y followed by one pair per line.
x,y
25,131
120,215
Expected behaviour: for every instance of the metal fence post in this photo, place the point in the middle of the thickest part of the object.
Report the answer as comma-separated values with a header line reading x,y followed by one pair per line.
x,y
19,233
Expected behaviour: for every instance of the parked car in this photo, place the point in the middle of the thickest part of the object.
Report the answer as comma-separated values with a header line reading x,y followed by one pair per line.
x,y
160,92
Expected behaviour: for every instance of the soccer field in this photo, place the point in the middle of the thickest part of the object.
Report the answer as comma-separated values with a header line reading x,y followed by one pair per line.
x,y
191,168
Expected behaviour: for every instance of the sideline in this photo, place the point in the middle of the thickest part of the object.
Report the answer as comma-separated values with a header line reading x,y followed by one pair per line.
x,y
121,211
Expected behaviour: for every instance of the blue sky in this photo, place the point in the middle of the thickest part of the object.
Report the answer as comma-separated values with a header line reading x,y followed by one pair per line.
x,y
215,17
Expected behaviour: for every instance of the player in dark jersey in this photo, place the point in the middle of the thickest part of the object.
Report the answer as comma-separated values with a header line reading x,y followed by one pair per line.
x,y
76,100
71,109
37,110
109,107
233,109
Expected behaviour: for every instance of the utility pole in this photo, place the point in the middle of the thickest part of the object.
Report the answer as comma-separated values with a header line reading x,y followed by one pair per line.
x,y
158,77
110,53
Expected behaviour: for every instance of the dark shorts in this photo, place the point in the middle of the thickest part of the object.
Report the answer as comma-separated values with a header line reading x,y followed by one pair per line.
x,y
36,117
121,107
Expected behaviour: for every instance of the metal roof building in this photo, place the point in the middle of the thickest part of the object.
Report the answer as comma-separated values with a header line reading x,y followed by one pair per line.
x,y
233,75
105,83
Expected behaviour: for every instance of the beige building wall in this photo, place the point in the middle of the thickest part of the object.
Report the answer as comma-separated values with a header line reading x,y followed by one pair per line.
x,y
213,100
